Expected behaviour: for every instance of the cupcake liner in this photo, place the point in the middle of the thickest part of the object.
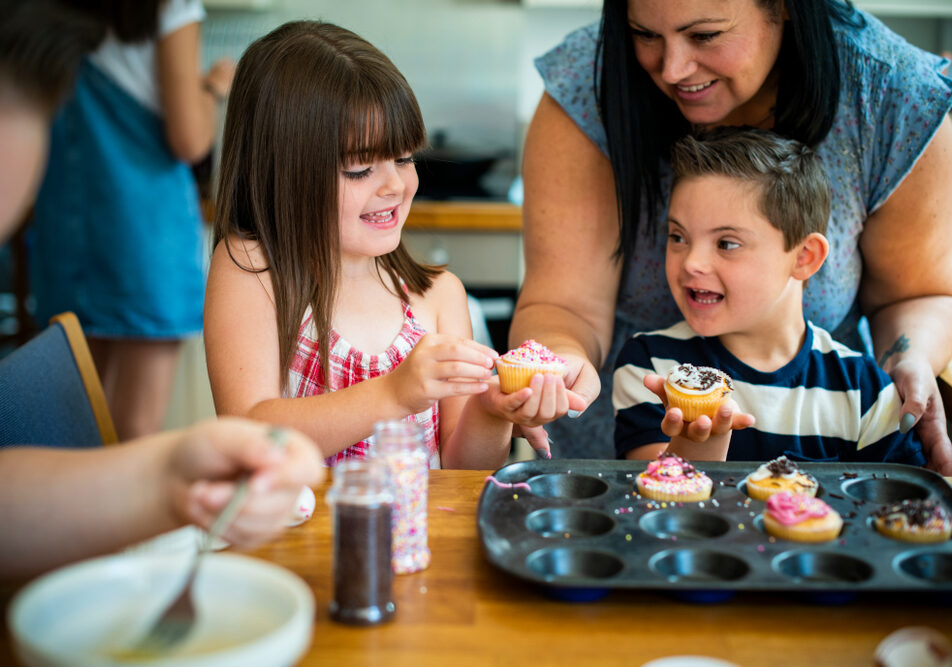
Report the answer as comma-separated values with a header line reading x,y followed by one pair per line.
x,y
763,489
692,405
513,377
824,529
670,495
909,534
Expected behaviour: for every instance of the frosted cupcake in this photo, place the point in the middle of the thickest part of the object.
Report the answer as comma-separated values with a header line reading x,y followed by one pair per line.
x,y
802,518
778,475
920,521
669,477
516,367
697,390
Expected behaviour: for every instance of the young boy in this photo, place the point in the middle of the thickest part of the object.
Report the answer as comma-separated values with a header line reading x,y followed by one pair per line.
x,y
745,231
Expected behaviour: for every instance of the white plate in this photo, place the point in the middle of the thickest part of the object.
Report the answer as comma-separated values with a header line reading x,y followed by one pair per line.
x,y
250,612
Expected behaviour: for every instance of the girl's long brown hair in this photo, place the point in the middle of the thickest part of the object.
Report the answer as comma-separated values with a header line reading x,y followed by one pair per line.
x,y
308,98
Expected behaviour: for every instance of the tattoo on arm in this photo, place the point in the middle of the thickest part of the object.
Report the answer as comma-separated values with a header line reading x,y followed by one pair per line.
x,y
901,345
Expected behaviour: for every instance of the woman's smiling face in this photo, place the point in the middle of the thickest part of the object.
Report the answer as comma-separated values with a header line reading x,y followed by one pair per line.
x,y
714,58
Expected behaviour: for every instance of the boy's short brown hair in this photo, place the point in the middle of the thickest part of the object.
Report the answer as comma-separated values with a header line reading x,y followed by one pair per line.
x,y
794,191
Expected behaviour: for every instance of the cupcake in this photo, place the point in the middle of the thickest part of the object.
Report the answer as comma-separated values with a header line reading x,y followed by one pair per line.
x,y
516,367
914,521
802,518
697,390
669,477
778,475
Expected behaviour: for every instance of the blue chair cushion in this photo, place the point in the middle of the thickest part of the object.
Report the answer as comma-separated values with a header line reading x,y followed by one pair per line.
x,y
43,400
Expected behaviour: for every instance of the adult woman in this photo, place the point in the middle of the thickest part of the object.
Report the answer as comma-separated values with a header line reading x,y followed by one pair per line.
x,y
117,227
596,181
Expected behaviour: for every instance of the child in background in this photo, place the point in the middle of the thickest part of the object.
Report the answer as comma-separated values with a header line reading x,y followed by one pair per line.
x,y
117,231
60,505
746,222
316,316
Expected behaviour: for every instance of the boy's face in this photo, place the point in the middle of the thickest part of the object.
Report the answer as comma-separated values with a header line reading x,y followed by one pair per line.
x,y
726,264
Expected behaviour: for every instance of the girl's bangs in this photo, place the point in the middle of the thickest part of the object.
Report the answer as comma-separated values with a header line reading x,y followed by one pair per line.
x,y
382,130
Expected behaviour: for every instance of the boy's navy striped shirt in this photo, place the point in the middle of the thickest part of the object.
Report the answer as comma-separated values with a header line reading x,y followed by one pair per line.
x,y
830,403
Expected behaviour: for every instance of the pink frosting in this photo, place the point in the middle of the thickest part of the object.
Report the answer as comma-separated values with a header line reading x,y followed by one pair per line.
x,y
532,352
793,508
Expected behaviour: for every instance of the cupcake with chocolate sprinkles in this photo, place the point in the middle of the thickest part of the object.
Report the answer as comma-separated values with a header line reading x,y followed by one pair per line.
x,y
922,521
697,390
780,474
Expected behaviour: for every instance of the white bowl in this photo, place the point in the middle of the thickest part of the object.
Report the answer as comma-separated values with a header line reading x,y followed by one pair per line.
x,y
249,612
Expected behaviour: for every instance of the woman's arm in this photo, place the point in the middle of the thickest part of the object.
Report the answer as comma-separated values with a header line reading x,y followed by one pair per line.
x,y
570,227
907,289
136,490
189,100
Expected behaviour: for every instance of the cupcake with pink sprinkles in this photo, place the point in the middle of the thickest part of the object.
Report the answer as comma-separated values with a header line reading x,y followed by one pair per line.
x,y
517,366
671,478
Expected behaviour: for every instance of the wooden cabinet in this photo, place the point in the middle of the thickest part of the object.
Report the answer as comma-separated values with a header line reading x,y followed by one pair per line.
x,y
481,242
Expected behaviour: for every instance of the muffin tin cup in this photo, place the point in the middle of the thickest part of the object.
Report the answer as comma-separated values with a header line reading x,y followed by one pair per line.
x,y
581,526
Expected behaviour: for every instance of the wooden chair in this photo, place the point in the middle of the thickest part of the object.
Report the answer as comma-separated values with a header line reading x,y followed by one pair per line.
x,y
50,392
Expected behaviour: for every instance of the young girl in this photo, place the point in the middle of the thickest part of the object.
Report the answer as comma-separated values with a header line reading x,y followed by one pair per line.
x,y
316,316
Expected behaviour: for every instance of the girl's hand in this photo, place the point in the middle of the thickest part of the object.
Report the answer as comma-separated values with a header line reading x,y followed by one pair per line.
x,y
922,406
207,459
728,418
441,366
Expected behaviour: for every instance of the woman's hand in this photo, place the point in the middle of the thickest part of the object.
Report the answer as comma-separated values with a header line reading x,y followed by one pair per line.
x,y
922,406
581,378
441,366
207,458
544,400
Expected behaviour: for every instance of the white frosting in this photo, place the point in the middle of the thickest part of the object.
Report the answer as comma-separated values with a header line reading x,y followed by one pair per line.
x,y
689,379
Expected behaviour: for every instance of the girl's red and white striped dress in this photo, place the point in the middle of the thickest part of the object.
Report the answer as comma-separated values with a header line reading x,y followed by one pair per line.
x,y
348,366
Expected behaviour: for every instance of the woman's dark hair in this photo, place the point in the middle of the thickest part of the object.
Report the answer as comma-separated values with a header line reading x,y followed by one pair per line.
x,y
129,20
41,46
308,99
642,123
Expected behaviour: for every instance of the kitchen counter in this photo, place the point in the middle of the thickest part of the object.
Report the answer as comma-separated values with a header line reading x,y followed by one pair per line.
x,y
465,216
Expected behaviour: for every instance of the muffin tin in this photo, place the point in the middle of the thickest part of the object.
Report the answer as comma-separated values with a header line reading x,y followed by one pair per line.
x,y
581,524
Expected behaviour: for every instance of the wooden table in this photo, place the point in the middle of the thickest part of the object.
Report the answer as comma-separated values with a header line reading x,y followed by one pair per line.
x,y
463,611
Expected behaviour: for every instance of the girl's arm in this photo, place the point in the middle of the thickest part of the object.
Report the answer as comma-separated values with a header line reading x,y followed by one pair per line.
x,y
907,290
133,491
189,100
470,437
570,227
241,349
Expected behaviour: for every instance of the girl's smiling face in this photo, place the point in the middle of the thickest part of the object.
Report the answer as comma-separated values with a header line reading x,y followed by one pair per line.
x,y
714,58
375,199
725,263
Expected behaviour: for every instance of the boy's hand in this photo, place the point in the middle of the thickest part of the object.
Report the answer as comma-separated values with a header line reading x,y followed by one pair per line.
x,y
438,367
728,418
716,433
